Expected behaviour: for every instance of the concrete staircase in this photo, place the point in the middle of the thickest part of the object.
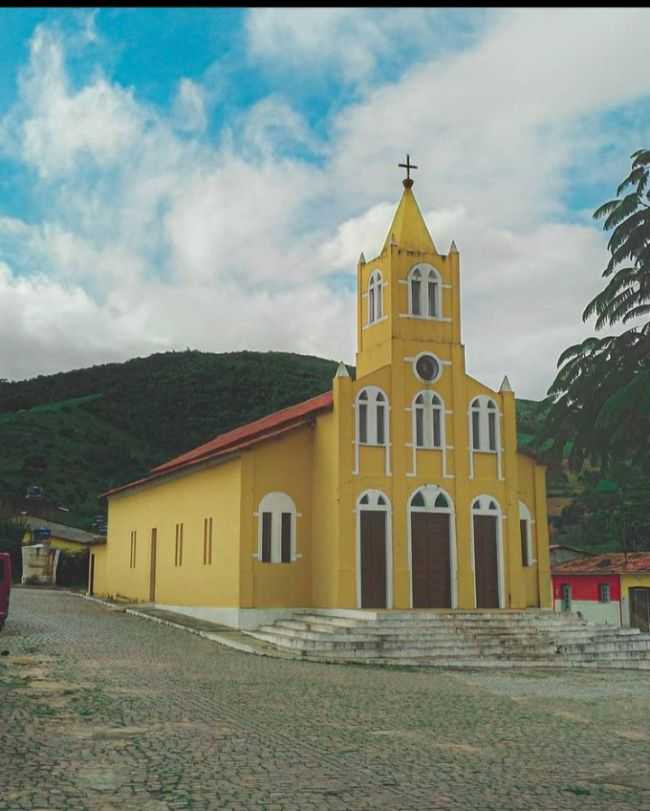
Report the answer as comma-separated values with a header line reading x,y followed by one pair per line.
x,y
457,639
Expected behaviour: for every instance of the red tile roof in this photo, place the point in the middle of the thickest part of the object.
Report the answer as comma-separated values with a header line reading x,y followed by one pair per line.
x,y
609,563
240,438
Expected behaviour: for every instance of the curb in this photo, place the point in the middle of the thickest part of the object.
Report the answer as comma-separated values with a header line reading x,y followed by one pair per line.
x,y
212,637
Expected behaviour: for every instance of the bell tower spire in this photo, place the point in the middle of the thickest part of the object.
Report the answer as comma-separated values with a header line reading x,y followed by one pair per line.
x,y
408,230
408,295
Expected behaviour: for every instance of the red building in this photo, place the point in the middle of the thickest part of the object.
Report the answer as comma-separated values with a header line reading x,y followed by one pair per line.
x,y
612,588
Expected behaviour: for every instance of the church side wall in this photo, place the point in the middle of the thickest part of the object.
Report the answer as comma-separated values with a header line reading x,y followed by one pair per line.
x,y
325,524
532,492
181,577
283,465
99,584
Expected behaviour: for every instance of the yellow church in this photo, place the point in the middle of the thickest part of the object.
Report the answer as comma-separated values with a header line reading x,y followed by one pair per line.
x,y
400,489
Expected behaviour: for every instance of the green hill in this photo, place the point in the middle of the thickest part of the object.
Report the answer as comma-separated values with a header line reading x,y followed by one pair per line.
x,y
79,433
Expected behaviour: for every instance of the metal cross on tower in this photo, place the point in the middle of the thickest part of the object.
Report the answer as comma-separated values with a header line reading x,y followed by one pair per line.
x,y
408,182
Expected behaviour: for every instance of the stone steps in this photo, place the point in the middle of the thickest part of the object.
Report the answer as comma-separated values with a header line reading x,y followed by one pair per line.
x,y
407,648
457,639
313,630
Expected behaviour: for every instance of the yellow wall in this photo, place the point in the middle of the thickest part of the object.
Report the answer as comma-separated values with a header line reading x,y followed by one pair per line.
x,y
212,492
630,581
282,465
325,568
100,584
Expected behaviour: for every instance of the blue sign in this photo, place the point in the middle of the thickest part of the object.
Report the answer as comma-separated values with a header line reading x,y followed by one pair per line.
x,y
41,534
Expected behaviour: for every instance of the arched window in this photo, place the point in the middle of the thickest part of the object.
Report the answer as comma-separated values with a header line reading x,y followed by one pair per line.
x,y
375,298
428,420
485,425
431,499
424,292
372,408
526,532
276,529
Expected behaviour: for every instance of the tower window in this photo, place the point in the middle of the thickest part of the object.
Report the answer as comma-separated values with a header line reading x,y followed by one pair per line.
x,y
372,416
428,420
375,298
424,292
485,424
416,289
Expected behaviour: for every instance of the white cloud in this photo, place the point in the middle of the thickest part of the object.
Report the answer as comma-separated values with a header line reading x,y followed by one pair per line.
x,y
189,106
355,44
54,128
173,241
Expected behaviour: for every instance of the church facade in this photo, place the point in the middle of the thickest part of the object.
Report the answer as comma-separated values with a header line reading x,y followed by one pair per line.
x,y
400,489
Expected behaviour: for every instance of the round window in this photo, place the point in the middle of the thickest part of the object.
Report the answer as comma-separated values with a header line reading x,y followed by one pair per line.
x,y
427,368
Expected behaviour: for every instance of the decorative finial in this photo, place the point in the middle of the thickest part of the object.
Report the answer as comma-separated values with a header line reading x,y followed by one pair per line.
x,y
408,166
505,385
362,259
452,247
342,370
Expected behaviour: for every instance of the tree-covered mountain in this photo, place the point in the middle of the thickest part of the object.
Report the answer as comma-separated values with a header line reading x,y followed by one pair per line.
x,y
77,434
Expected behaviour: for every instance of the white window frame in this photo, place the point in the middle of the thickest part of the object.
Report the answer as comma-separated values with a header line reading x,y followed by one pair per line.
x,y
430,493
375,397
525,515
480,405
372,402
427,274
277,503
440,363
375,298
428,407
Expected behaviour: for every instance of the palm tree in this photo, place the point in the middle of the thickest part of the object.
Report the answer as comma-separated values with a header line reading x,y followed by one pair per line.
x,y
600,398
627,295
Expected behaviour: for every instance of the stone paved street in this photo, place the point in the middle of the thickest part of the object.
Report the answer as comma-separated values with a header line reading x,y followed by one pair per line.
x,y
105,711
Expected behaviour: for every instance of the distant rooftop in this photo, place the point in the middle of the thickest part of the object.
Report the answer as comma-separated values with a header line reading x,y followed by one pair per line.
x,y
609,563
62,531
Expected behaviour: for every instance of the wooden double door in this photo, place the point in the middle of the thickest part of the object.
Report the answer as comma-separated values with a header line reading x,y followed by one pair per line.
x,y
431,559
486,561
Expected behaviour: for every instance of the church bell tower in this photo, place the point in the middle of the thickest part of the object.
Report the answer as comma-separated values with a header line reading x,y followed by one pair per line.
x,y
409,293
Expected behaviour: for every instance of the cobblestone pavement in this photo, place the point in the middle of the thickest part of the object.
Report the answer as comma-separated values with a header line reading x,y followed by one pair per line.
x,y
103,711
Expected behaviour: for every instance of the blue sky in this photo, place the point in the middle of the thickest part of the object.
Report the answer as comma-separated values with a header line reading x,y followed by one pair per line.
x,y
208,177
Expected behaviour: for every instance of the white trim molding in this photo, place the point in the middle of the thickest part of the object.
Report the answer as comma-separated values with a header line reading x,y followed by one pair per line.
x,y
373,398
524,515
427,278
277,503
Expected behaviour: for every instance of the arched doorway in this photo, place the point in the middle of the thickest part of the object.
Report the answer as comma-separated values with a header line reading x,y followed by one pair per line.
x,y
432,553
487,555
374,570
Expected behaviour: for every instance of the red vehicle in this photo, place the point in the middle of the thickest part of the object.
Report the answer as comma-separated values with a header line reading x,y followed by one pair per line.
x,y
5,586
